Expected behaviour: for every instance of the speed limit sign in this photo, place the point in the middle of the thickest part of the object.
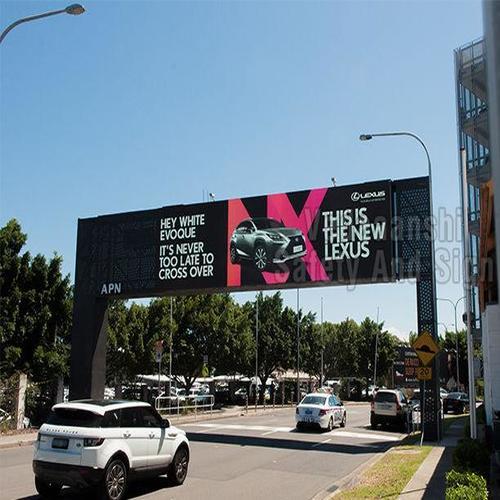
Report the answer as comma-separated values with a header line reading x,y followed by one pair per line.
x,y
424,373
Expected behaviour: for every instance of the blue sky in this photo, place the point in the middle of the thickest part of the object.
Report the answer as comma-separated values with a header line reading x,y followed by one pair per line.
x,y
137,105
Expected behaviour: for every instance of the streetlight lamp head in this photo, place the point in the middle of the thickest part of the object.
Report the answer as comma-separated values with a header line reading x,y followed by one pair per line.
x,y
75,9
365,137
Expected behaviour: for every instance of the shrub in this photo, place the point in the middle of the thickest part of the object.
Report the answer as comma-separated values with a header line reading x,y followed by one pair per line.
x,y
462,492
473,456
456,478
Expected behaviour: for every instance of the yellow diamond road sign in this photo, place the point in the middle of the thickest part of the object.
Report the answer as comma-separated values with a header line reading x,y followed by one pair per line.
x,y
426,348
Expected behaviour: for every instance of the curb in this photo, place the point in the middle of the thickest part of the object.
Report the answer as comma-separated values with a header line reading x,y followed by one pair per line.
x,y
17,444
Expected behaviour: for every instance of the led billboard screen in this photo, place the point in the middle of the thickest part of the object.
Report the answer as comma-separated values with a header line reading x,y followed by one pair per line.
x,y
336,235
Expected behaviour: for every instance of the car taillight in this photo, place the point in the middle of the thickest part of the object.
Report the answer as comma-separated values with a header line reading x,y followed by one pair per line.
x,y
90,442
322,412
297,410
398,407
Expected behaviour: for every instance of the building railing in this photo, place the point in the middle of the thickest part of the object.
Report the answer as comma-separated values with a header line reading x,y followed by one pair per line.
x,y
181,404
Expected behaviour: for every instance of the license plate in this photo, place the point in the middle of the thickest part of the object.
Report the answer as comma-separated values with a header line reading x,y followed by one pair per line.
x,y
297,248
60,443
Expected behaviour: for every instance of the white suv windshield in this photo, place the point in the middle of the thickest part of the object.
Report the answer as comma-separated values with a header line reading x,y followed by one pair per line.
x,y
75,418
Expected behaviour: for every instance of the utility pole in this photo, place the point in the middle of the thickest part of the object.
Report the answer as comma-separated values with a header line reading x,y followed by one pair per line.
x,y
171,351
468,308
256,347
298,347
321,381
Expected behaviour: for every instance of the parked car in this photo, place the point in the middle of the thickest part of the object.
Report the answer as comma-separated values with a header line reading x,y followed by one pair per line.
x,y
320,410
456,402
390,407
265,241
104,444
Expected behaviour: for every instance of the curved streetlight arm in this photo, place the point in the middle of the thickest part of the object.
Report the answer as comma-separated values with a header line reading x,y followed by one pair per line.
x,y
367,137
28,19
74,9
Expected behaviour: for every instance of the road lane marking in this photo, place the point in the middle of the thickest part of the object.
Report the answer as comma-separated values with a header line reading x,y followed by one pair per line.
x,y
268,432
364,435
214,428
236,427
321,442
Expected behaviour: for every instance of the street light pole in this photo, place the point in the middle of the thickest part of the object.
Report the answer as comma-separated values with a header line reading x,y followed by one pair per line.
x,y
455,305
367,137
376,354
322,347
74,10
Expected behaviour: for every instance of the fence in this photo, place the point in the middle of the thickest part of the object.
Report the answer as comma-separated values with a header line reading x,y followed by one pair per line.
x,y
184,404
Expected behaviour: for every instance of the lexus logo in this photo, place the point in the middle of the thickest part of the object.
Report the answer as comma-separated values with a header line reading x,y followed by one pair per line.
x,y
368,196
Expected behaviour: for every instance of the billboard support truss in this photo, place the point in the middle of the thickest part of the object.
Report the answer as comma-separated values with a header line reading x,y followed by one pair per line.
x,y
367,233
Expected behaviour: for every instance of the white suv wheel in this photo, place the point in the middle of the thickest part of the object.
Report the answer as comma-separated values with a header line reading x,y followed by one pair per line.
x,y
115,480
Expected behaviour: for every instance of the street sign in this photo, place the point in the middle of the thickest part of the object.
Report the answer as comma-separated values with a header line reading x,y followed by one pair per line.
x,y
426,348
159,350
424,373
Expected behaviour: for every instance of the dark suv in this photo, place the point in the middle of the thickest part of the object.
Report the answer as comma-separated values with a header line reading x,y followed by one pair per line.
x,y
266,241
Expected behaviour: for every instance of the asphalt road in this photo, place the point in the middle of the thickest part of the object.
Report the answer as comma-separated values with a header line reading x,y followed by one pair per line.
x,y
250,457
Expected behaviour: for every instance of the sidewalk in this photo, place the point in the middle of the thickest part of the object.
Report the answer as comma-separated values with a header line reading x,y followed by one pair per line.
x,y
21,439
429,482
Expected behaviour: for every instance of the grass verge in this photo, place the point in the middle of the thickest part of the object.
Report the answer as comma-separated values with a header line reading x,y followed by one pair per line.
x,y
388,477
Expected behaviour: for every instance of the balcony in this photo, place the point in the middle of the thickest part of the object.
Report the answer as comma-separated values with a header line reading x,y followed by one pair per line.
x,y
476,126
472,75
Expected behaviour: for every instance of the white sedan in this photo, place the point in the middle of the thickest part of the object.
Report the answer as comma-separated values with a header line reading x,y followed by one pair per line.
x,y
319,409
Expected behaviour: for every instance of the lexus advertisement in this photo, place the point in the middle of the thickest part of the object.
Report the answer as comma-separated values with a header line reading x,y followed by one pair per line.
x,y
337,235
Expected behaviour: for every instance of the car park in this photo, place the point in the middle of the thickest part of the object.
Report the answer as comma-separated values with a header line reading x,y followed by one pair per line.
x,y
320,410
390,407
456,402
104,444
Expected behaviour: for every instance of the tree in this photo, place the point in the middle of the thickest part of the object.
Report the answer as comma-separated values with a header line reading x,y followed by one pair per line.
x,y
277,327
341,349
386,343
35,310
449,343
130,348
205,325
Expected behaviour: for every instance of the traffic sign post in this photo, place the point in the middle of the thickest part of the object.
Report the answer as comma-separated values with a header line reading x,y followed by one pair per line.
x,y
159,353
426,348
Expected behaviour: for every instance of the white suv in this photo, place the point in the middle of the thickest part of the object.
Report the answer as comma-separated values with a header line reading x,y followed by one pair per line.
x,y
103,445
390,407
